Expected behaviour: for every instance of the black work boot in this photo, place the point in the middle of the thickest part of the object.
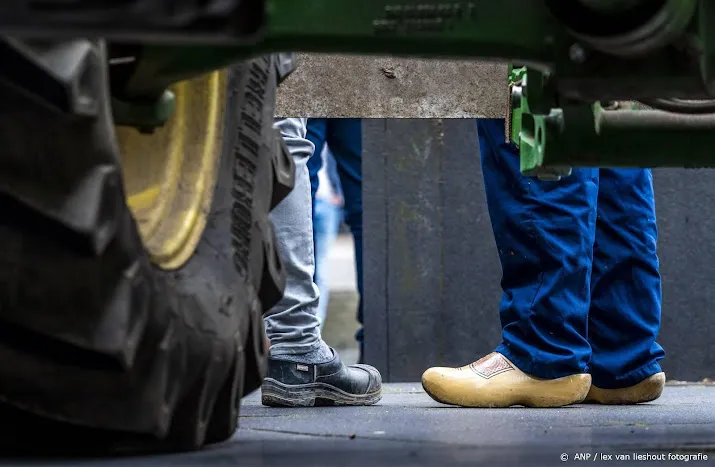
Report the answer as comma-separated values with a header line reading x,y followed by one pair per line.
x,y
291,384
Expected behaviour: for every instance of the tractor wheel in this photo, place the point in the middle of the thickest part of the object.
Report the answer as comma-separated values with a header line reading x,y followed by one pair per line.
x,y
135,268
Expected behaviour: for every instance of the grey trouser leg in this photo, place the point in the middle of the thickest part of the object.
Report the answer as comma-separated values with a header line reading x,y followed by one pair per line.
x,y
292,325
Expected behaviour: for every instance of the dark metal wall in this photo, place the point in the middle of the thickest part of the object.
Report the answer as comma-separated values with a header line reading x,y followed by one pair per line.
x,y
432,274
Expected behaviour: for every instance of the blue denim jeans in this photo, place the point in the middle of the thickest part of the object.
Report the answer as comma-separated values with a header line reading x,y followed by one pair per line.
x,y
580,273
344,138
292,325
326,222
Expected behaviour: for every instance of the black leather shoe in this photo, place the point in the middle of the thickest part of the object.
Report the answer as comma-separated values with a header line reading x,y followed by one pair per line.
x,y
291,384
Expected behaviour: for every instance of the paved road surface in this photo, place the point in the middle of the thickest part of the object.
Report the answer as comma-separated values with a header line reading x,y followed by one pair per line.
x,y
408,429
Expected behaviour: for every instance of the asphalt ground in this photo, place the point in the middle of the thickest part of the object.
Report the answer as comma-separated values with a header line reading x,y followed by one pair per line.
x,y
407,428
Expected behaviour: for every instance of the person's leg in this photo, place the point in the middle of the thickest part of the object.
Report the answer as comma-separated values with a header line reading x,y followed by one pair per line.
x,y
292,325
344,136
624,319
301,367
325,224
544,234
315,133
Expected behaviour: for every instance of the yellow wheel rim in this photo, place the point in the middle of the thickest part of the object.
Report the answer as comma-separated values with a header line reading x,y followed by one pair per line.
x,y
170,175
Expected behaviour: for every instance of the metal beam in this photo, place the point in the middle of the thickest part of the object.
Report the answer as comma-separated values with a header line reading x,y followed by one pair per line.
x,y
384,87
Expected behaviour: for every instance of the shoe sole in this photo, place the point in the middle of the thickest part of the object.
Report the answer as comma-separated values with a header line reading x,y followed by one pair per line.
x,y
277,394
553,394
647,390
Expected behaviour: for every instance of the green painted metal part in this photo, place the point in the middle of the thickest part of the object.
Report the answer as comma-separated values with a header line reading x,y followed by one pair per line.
x,y
368,27
517,81
403,28
564,67
522,31
624,137
414,28
144,115
510,30
588,135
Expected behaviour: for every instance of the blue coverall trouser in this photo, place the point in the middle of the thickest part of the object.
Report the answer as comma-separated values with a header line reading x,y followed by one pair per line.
x,y
580,275
344,138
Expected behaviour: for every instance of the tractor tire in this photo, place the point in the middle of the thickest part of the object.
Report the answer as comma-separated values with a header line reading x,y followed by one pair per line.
x,y
116,332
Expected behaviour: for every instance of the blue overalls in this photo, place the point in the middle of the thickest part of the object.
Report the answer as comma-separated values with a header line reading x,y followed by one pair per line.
x,y
344,138
581,287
